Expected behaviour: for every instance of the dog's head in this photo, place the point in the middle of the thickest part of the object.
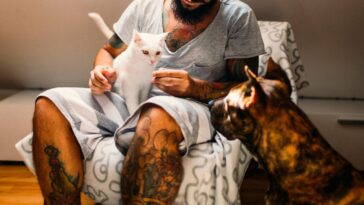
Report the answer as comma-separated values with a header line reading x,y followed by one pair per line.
x,y
248,104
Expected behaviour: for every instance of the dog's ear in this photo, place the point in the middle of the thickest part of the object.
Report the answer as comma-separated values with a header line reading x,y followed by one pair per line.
x,y
275,72
256,93
272,66
251,76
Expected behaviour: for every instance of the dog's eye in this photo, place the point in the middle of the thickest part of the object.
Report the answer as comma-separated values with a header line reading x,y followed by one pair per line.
x,y
248,91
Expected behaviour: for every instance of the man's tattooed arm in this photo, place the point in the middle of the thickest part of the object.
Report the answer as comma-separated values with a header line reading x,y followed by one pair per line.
x,y
109,51
206,90
115,45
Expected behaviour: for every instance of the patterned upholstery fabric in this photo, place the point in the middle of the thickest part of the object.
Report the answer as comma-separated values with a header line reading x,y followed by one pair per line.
x,y
280,44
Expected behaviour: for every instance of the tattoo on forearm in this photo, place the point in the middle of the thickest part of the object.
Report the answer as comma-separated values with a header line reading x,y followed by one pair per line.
x,y
64,186
207,91
152,169
115,41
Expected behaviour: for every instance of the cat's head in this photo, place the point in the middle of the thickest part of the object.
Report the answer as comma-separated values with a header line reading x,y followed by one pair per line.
x,y
148,47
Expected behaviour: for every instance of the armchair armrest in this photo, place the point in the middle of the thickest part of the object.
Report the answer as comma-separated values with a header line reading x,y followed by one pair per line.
x,y
280,44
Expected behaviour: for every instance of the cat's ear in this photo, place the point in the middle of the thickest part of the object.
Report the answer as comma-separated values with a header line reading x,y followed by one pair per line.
x,y
256,94
163,36
136,36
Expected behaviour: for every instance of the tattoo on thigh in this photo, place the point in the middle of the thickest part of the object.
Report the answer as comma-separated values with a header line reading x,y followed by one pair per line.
x,y
153,170
63,185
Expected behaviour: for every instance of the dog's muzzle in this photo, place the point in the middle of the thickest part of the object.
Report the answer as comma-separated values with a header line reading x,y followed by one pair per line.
x,y
217,112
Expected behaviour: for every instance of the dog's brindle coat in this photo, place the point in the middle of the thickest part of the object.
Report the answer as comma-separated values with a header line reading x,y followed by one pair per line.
x,y
302,167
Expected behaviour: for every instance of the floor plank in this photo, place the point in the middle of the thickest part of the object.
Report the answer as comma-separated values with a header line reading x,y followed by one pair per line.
x,y
253,188
18,186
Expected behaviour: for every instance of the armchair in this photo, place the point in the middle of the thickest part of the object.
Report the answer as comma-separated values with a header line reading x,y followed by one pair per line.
x,y
102,176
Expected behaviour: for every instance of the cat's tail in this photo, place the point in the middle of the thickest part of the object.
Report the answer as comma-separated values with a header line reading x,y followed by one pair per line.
x,y
101,24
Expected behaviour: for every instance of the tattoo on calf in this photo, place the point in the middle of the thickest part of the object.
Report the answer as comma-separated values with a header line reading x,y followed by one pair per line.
x,y
115,41
64,186
152,169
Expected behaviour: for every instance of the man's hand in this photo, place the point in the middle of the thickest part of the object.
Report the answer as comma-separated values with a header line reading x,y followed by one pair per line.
x,y
175,82
101,79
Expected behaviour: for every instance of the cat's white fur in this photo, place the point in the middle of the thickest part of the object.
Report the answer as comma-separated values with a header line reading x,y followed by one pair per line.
x,y
135,65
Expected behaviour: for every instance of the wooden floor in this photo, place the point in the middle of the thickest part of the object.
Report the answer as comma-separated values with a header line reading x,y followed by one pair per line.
x,y
253,188
18,186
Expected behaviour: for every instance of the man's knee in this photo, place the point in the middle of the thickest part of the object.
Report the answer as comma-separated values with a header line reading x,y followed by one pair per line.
x,y
43,106
46,114
157,127
154,112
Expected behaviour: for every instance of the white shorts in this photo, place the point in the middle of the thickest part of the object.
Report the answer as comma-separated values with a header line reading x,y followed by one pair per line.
x,y
213,166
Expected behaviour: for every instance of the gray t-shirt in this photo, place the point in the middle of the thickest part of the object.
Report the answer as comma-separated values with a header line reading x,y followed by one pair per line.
x,y
234,33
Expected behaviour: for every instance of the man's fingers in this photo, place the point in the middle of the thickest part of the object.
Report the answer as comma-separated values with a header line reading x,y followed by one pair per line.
x,y
101,85
165,88
167,81
169,73
98,87
110,75
109,72
100,77
94,90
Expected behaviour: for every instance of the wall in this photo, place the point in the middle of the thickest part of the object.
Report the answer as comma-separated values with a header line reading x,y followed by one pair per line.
x,y
52,43
329,34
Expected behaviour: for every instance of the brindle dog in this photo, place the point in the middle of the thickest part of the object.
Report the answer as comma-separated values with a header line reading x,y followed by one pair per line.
x,y
301,166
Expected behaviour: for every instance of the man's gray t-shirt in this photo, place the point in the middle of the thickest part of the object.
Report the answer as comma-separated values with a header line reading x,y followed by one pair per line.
x,y
234,33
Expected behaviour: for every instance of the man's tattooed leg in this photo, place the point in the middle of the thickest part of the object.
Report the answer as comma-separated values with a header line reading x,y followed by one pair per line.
x,y
57,155
64,186
152,171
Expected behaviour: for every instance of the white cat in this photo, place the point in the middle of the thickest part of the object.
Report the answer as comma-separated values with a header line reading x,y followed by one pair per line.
x,y
135,65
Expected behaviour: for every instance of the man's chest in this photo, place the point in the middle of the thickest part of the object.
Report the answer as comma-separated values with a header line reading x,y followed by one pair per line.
x,y
180,36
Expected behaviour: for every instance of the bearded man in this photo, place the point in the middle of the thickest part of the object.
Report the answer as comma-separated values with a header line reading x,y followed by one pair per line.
x,y
208,44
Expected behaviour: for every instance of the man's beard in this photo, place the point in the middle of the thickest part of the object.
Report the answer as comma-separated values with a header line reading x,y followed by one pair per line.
x,y
191,16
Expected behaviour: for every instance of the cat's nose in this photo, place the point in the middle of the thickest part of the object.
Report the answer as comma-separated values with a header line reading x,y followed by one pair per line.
x,y
152,62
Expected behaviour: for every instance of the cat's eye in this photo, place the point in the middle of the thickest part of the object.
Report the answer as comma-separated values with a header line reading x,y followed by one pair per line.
x,y
145,52
158,53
